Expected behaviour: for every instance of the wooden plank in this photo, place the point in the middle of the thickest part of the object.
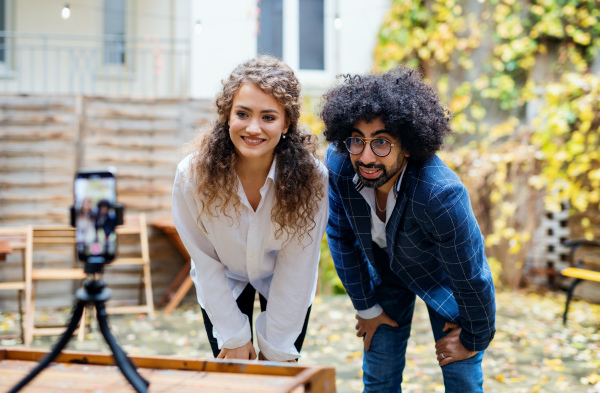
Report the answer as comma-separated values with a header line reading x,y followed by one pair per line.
x,y
17,165
164,362
35,118
130,127
25,207
57,274
36,178
127,261
116,159
37,132
148,143
145,205
148,190
133,111
157,174
37,103
12,285
55,215
4,198
78,378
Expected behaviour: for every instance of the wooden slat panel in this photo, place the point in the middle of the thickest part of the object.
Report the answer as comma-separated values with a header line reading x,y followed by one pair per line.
x,y
40,150
37,167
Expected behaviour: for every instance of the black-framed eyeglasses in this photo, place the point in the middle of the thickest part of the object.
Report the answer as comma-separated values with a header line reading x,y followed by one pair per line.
x,y
380,146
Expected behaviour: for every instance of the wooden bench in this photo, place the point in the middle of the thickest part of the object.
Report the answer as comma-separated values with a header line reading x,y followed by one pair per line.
x,y
580,269
75,372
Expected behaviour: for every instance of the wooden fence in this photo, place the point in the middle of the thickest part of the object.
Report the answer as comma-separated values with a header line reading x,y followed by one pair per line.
x,y
45,139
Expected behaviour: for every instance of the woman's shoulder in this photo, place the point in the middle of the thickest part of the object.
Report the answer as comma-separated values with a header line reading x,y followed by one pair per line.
x,y
186,163
185,170
321,168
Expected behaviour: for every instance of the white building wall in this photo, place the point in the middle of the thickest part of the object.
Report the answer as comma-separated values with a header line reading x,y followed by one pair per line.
x,y
228,37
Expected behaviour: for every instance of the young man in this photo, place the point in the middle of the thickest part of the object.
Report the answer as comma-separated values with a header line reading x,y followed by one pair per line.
x,y
401,225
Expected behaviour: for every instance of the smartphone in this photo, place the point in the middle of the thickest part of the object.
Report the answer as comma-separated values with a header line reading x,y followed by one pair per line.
x,y
95,215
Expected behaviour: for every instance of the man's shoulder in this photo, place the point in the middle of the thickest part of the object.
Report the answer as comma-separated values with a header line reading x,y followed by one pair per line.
x,y
432,177
338,163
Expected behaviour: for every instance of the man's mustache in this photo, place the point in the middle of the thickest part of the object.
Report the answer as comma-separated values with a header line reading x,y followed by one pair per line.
x,y
370,166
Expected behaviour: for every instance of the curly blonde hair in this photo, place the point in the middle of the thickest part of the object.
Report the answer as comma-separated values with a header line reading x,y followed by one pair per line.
x,y
298,186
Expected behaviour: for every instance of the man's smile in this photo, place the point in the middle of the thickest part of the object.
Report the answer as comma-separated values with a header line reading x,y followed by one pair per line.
x,y
370,173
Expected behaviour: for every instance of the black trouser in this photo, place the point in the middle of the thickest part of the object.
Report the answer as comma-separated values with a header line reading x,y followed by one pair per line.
x,y
245,303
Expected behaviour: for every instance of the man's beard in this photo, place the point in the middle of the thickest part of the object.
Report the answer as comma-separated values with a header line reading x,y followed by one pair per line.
x,y
386,173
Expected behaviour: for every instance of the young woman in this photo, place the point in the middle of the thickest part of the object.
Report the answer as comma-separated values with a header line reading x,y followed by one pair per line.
x,y
250,206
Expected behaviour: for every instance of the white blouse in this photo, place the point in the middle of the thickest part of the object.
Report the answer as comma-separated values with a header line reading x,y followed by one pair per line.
x,y
227,255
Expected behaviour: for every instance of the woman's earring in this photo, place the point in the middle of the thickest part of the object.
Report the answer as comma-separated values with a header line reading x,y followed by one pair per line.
x,y
283,136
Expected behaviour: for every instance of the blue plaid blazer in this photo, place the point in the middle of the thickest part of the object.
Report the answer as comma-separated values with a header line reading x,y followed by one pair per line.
x,y
434,244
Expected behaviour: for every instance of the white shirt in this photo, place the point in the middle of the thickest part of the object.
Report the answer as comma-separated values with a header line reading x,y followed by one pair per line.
x,y
227,255
378,229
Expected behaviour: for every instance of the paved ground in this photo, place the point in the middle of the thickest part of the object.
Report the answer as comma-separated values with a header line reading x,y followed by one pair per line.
x,y
532,351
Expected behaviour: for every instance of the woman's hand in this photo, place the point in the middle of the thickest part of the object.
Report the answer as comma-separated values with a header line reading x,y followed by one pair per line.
x,y
245,352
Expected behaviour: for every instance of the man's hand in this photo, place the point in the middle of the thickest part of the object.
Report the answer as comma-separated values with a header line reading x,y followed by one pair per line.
x,y
449,348
245,352
262,357
367,327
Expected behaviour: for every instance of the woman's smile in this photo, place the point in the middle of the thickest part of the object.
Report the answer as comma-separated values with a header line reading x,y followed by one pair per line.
x,y
253,141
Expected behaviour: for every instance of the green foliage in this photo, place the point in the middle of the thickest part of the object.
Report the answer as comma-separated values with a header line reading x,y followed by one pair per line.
x,y
329,282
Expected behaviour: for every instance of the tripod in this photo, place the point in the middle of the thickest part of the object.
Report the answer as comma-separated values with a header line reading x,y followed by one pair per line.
x,y
94,292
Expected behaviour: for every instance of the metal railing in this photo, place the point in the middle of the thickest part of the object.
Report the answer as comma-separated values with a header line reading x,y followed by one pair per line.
x,y
94,65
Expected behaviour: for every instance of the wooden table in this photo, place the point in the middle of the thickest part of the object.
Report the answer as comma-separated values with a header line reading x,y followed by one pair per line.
x,y
183,282
76,372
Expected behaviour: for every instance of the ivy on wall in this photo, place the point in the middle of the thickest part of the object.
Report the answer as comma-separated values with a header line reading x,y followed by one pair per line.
x,y
491,62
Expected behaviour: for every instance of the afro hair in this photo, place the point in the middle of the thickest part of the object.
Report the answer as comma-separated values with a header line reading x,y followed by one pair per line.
x,y
410,109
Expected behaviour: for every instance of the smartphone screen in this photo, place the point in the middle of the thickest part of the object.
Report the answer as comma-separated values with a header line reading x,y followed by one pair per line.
x,y
95,215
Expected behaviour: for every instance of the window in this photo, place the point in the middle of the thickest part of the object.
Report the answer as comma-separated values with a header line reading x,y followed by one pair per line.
x,y
114,30
312,35
270,28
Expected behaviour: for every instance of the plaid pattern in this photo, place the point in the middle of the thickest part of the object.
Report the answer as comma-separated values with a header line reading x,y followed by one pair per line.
x,y
433,240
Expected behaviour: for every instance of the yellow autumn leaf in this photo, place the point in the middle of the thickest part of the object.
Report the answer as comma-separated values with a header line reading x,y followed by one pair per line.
x,y
458,104
500,378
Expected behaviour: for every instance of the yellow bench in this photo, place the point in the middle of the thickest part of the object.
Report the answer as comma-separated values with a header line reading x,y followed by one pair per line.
x,y
577,270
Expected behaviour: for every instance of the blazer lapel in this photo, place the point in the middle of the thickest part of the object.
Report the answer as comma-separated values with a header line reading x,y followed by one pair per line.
x,y
391,228
360,214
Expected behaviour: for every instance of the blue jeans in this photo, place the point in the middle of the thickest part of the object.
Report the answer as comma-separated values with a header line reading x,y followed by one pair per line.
x,y
384,362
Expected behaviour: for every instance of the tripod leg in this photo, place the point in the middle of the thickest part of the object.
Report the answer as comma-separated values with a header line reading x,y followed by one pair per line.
x,y
56,349
123,362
